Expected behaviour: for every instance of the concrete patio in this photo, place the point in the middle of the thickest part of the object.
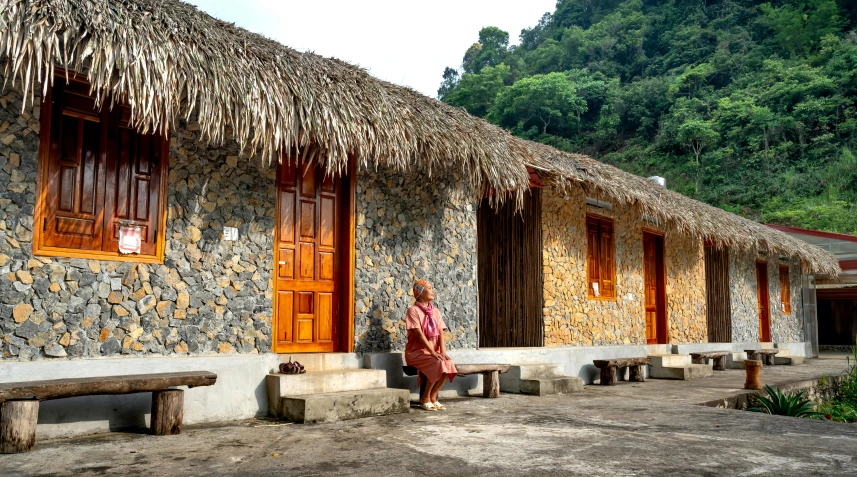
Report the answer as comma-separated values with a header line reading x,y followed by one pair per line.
x,y
651,428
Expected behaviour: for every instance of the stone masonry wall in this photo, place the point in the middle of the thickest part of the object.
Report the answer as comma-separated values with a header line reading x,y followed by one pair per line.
x,y
743,290
411,227
209,296
571,318
686,298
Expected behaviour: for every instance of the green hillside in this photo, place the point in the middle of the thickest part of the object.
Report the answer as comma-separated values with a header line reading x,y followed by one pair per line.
x,y
749,106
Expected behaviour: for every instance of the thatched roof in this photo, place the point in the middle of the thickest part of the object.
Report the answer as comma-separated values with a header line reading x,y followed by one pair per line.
x,y
169,60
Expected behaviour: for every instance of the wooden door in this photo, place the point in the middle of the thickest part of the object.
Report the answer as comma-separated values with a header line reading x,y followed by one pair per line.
x,y
309,256
509,273
654,288
764,302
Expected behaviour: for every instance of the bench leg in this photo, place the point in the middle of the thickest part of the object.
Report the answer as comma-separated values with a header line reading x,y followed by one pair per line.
x,y
699,360
635,374
167,412
608,376
18,426
491,384
769,359
720,363
753,356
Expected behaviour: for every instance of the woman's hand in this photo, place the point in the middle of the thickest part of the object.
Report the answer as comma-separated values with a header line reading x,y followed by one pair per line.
x,y
438,356
445,356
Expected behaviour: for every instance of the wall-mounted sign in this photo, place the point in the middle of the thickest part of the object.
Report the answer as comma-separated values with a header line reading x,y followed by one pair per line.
x,y
130,239
230,233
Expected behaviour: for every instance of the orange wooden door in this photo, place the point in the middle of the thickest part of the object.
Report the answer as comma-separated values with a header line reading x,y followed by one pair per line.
x,y
653,288
764,302
308,260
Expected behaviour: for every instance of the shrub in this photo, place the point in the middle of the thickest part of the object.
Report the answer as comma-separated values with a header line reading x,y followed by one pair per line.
x,y
785,404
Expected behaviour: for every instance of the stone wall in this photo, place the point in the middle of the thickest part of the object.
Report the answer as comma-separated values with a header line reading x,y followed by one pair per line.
x,y
686,298
411,227
743,290
209,296
571,318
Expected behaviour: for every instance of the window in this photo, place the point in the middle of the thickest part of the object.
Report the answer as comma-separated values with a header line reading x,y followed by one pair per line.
x,y
97,175
785,289
601,273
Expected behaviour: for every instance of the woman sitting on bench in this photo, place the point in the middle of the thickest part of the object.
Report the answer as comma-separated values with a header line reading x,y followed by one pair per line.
x,y
426,349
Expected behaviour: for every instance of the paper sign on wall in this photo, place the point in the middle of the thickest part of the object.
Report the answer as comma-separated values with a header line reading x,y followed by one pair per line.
x,y
595,289
130,239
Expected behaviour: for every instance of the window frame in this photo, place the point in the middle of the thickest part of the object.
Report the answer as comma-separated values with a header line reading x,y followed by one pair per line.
x,y
40,212
785,289
600,258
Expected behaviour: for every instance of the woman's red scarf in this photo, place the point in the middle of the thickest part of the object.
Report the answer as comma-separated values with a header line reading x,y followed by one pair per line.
x,y
430,328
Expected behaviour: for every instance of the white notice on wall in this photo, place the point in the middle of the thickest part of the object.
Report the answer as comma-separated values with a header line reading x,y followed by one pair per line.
x,y
230,233
130,239
595,289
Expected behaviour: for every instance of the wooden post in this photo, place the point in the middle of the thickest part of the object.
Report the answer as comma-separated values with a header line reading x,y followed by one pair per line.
x,y
167,412
491,384
18,425
720,363
608,375
635,373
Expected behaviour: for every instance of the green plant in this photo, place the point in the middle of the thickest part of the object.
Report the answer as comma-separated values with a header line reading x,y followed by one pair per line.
x,y
785,404
837,411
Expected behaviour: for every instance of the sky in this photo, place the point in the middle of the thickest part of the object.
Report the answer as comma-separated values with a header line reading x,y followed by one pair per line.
x,y
403,42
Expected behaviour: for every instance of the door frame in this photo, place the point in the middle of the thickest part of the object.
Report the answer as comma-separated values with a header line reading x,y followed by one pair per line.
x,y
763,294
661,335
343,328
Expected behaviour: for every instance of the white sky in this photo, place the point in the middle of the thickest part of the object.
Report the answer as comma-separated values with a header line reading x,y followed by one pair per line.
x,y
404,42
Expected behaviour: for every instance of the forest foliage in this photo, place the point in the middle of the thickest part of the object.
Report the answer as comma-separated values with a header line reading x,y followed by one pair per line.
x,y
747,105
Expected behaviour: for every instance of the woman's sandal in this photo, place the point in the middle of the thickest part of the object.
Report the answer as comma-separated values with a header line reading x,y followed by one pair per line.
x,y
292,367
427,406
439,406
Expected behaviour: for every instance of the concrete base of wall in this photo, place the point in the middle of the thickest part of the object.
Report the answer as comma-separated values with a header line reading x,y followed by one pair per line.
x,y
241,390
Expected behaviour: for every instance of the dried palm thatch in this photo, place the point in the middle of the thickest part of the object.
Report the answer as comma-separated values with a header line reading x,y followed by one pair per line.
x,y
168,60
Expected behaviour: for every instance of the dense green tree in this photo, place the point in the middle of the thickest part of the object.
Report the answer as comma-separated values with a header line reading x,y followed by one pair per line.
x,y
542,100
750,105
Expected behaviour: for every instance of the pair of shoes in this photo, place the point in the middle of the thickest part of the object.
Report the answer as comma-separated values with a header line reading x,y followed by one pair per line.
x,y
292,367
427,406
439,406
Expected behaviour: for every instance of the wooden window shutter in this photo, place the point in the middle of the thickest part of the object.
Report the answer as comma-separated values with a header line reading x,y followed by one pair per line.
x,y
134,169
607,259
785,289
73,194
593,262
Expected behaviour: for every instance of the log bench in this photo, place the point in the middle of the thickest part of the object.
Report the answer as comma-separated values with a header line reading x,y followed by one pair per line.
x,y
490,376
703,357
758,354
609,367
19,402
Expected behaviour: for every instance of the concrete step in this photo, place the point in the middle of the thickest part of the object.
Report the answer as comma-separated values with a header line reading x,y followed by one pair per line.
x,y
546,386
339,406
669,360
688,371
510,382
324,361
313,382
789,361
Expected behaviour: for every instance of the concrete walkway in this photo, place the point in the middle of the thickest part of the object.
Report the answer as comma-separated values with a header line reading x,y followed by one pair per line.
x,y
651,428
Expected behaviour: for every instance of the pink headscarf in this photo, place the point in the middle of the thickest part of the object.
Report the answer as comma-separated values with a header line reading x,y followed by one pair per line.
x,y
430,328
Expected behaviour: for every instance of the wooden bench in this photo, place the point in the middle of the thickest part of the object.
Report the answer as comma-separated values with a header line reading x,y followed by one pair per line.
x,y
609,367
490,376
758,354
19,402
703,357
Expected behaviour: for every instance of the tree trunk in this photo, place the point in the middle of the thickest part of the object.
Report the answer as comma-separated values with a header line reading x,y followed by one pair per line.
x,y
491,384
18,425
167,412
